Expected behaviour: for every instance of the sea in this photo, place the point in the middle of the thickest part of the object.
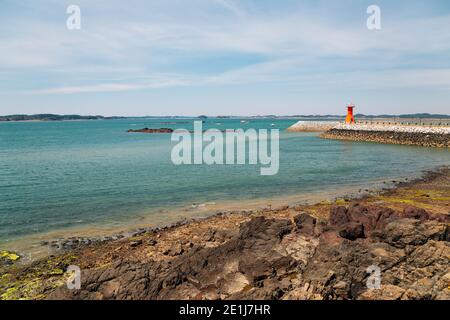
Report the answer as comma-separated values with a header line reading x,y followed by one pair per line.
x,y
62,178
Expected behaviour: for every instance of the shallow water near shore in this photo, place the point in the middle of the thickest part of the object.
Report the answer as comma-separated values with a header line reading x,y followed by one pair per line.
x,y
35,246
59,179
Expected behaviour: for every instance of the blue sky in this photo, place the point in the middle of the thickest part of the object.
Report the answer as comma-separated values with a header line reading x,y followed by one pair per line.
x,y
217,57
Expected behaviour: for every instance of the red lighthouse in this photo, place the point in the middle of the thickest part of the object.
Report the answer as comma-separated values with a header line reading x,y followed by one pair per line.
x,y
350,119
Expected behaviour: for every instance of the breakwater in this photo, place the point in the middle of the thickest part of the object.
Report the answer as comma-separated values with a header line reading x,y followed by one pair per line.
x,y
312,126
425,136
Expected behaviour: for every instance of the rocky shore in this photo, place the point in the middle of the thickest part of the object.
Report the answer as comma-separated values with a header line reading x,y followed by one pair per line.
x,y
320,251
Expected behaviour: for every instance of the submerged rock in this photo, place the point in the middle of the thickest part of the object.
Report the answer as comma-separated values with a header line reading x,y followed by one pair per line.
x,y
147,130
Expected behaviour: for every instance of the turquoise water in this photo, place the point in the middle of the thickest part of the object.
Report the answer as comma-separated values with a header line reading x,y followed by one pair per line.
x,y
56,175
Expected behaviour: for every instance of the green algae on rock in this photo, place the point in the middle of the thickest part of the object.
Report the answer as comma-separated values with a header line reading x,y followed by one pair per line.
x,y
7,257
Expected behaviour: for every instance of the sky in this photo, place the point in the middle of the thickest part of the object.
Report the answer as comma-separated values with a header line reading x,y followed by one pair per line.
x,y
224,57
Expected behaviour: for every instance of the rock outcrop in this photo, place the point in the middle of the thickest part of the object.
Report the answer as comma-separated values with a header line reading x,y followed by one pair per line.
x,y
299,258
147,130
410,253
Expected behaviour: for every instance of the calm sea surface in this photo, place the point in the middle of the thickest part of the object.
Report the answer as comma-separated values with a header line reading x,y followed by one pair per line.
x,y
57,175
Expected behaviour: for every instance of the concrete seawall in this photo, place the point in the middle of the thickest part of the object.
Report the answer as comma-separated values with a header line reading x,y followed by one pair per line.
x,y
406,136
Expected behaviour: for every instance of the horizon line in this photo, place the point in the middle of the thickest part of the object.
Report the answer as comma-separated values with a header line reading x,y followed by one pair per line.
x,y
223,115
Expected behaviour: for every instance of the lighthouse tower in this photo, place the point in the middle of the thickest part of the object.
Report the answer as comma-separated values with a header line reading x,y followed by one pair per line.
x,y
350,119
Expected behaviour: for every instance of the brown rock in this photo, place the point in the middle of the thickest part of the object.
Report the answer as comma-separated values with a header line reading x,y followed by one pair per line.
x,y
264,259
305,223
416,213
135,243
386,292
338,216
352,231
175,250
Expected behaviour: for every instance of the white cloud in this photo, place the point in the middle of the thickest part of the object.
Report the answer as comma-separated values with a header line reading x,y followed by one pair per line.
x,y
142,48
298,33
153,82
270,73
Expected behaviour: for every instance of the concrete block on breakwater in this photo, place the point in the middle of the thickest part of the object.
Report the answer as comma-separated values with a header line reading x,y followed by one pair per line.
x,y
312,126
427,136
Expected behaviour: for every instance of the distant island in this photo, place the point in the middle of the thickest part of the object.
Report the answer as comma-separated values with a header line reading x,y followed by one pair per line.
x,y
56,117
52,117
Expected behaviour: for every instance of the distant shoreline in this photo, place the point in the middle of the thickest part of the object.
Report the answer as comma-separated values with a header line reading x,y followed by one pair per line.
x,y
51,117
57,117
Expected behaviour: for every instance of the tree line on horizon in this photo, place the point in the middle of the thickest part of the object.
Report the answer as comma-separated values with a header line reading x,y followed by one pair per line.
x,y
56,117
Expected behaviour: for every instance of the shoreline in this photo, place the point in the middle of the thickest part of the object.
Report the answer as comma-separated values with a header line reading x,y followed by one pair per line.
x,y
175,242
36,246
